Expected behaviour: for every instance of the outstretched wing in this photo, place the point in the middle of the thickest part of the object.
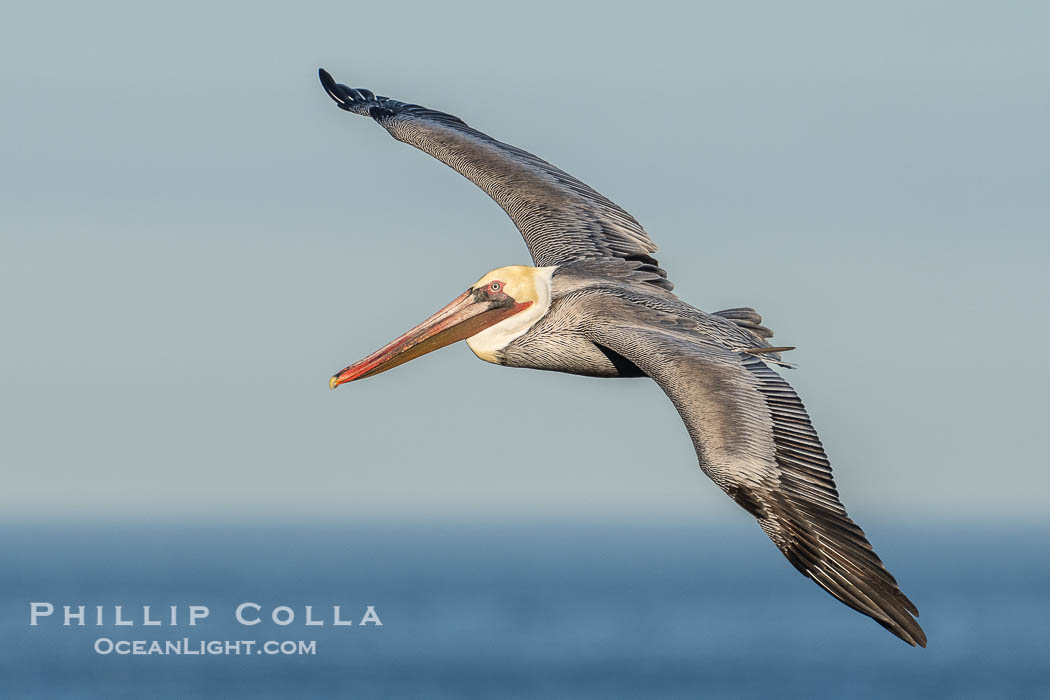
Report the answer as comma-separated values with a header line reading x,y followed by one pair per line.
x,y
561,218
754,439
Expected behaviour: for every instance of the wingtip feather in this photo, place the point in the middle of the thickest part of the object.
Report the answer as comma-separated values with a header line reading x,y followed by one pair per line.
x,y
340,94
330,86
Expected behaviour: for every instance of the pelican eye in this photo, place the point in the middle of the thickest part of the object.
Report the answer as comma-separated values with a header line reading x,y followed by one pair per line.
x,y
495,286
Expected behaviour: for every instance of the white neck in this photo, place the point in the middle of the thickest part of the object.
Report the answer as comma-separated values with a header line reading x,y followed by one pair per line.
x,y
490,341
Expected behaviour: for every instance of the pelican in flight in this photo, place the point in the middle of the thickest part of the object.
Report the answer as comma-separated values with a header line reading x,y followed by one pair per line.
x,y
597,303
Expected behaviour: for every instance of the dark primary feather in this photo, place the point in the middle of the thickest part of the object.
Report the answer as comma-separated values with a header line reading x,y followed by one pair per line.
x,y
754,439
560,217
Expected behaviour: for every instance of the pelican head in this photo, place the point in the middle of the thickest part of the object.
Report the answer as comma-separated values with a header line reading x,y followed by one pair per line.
x,y
495,310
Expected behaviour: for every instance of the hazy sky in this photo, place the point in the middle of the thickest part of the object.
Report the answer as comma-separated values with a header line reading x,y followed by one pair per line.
x,y
194,238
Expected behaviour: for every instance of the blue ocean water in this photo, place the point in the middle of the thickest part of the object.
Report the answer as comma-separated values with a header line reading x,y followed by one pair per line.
x,y
521,610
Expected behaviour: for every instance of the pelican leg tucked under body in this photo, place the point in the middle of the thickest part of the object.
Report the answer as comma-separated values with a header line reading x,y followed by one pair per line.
x,y
597,303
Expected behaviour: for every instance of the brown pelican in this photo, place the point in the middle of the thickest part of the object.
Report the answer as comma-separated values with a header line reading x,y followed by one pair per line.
x,y
598,304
